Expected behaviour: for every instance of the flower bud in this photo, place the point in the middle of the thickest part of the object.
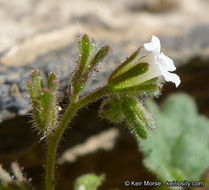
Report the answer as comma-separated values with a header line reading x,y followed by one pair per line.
x,y
44,100
88,61
137,117
112,109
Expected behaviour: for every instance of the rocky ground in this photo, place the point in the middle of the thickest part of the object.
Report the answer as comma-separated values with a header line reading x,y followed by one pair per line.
x,y
42,34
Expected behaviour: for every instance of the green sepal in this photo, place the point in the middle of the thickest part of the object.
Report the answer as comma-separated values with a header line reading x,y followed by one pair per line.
x,y
78,80
126,65
33,93
52,86
46,99
37,81
100,55
112,109
35,86
84,50
52,82
150,87
155,92
97,58
146,116
123,79
139,130
87,63
136,90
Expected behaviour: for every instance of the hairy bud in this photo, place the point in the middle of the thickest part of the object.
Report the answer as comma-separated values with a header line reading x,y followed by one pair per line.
x,y
43,100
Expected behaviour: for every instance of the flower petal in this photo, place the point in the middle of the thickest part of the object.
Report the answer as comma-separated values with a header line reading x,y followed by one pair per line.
x,y
159,64
149,46
172,78
166,62
156,43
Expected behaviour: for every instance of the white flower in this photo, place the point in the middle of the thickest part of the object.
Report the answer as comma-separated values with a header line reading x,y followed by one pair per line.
x,y
159,64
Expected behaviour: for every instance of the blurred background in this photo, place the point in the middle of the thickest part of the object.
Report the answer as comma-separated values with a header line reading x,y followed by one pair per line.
x,y
43,34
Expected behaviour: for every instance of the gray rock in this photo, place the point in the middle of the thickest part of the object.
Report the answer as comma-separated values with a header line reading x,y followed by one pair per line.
x,y
42,34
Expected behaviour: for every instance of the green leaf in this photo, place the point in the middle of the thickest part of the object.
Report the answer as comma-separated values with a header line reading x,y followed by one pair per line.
x,y
88,182
178,149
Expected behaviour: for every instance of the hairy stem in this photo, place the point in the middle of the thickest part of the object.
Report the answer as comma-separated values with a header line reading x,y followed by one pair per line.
x,y
50,164
54,139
